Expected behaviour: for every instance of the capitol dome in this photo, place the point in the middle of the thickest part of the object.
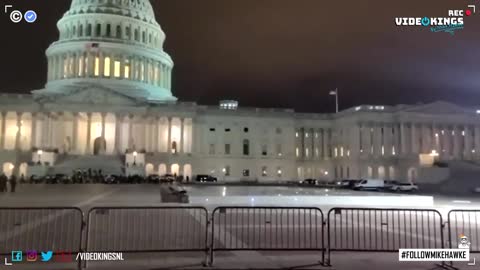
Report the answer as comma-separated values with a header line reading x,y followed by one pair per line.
x,y
113,43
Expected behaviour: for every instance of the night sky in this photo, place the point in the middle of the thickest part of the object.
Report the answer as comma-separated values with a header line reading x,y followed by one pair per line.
x,y
284,53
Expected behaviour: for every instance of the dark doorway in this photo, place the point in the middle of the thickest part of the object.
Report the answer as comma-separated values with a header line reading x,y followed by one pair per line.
x,y
99,146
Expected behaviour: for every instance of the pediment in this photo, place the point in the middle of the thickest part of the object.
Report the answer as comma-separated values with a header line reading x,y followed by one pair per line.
x,y
438,107
96,95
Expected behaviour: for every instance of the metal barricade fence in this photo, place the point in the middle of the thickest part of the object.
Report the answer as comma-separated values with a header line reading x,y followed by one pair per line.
x,y
464,222
383,230
57,229
267,228
147,229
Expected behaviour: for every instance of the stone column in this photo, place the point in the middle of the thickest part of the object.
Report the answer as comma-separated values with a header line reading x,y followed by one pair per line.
x,y
118,133
456,142
130,133
19,131
3,130
33,133
89,127
112,66
75,133
182,120
476,140
155,134
169,147
467,151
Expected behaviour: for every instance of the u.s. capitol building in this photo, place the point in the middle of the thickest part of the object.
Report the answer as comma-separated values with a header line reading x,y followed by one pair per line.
x,y
108,103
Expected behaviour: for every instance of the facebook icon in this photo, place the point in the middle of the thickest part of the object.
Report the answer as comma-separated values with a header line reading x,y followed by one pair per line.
x,y
17,256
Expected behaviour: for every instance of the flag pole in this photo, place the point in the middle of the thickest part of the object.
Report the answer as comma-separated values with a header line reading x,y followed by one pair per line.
x,y
336,99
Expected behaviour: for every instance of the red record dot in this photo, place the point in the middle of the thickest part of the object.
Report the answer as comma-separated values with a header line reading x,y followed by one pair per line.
x,y
468,12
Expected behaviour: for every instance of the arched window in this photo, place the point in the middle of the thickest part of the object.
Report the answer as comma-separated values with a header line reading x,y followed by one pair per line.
x,y
89,30
246,147
128,33
174,147
109,30
119,31
136,35
74,31
144,37
98,30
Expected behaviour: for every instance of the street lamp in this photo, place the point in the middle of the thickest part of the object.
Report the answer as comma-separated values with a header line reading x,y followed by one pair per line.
x,y
39,153
135,158
335,93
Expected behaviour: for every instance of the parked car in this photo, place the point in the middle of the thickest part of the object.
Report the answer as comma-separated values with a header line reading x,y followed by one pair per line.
x,y
205,178
404,187
309,182
63,178
35,179
111,179
370,184
348,183
167,178
50,179
154,178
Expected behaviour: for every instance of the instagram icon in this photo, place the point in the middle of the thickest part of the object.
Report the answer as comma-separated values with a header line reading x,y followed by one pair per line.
x,y
32,256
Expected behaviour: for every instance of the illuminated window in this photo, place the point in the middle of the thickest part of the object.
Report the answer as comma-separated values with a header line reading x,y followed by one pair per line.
x,y
116,66
279,171
155,79
106,67
393,151
296,134
306,135
383,150
126,74
335,151
97,66
142,72
65,67
279,150
297,152
80,66
348,153
341,151
264,171
306,152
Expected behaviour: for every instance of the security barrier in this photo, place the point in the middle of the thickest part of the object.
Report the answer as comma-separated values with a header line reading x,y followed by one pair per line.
x,y
467,223
267,228
383,230
177,229
58,229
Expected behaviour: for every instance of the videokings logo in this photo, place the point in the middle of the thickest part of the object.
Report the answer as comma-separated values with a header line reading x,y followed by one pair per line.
x,y
454,21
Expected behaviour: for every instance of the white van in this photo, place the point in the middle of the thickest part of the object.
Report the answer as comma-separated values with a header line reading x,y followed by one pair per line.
x,y
370,184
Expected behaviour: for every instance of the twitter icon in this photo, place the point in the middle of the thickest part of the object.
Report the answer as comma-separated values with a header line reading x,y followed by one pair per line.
x,y
47,256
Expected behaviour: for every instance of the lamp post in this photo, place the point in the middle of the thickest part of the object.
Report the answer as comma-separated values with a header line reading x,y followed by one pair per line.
x,y
135,158
39,153
335,93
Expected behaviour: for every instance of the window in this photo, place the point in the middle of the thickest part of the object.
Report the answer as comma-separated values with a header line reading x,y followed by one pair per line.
x,y
307,153
136,36
297,152
212,129
211,149
174,147
116,69
335,150
80,66
89,30
246,147
245,129
306,135
97,67
226,170
80,30
227,149
279,149
264,171
341,151
128,33
126,74
278,130
109,30
246,173
98,30
119,31
279,171
264,150
316,152
227,130
106,67
383,150
296,134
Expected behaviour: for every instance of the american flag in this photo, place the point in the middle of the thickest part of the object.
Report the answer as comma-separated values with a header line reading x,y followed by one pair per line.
x,y
92,46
